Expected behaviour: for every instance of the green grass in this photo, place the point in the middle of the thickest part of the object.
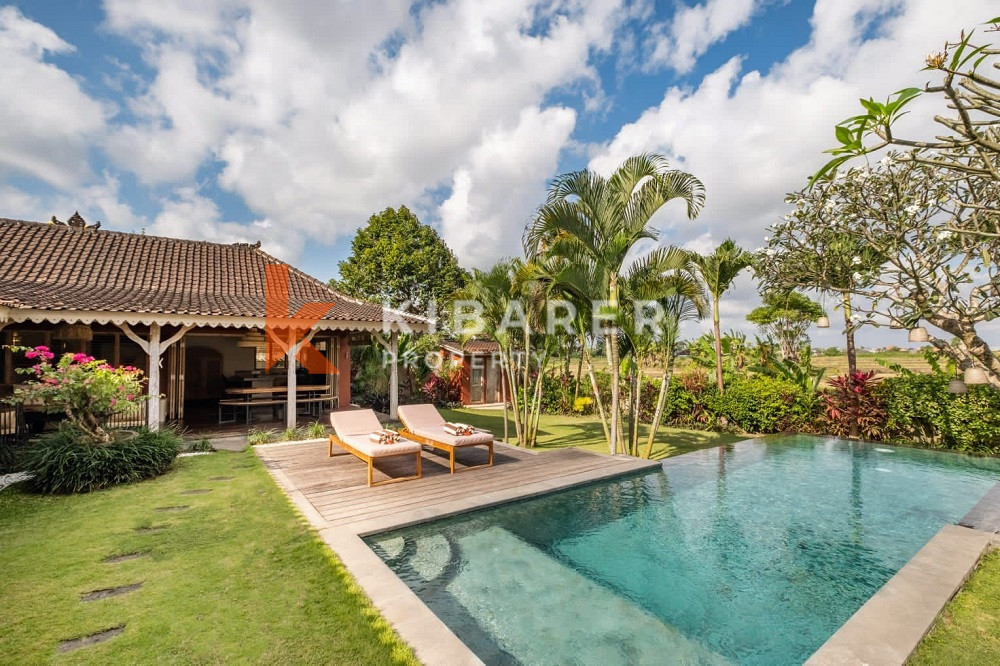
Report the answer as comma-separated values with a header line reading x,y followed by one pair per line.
x,y
236,578
556,431
968,632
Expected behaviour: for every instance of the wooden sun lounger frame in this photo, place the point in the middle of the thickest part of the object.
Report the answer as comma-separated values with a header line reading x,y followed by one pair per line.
x,y
371,459
450,448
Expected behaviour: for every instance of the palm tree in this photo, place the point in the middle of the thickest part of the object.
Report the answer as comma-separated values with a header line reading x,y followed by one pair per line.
x,y
718,271
596,221
659,279
507,287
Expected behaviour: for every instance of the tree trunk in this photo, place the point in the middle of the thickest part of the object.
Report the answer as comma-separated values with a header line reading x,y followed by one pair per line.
x,y
661,401
973,348
515,405
612,345
637,415
852,354
503,394
718,342
597,395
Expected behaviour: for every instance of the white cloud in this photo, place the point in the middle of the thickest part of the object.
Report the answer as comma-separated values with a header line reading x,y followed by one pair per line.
x,y
46,120
752,137
692,30
324,113
493,195
188,214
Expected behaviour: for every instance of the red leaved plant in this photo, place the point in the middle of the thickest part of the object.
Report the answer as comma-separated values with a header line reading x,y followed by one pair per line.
x,y
853,406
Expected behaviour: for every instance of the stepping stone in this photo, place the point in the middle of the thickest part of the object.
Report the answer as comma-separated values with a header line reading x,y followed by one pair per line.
x,y
108,592
180,507
125,557
154,528
92,639
221,478
196,491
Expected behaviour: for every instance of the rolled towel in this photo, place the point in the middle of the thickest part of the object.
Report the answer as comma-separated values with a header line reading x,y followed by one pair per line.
x,y
383,436
458,429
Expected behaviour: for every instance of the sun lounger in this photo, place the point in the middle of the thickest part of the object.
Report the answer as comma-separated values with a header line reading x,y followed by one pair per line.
x,y
424,424
353,429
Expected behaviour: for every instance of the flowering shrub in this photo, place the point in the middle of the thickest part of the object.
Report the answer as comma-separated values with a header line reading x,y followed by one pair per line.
x,y
87,390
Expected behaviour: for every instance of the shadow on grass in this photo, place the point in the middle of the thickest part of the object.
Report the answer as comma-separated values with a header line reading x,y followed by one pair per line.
x,y
556,432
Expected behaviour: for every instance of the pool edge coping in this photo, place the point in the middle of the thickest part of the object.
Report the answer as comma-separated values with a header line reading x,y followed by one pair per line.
x,y
891,624
418,626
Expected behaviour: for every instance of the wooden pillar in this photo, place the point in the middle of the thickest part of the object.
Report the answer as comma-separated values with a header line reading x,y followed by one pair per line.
x,y
393,374
153,405
291,408
154,348
344,371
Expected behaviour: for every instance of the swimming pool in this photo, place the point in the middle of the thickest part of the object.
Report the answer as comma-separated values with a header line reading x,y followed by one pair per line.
x,y
751,554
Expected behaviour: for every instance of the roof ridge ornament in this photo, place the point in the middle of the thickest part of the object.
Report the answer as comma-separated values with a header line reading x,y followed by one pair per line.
x,y
75,221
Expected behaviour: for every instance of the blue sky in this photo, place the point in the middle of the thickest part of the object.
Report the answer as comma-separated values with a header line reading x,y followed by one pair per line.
x,y
291,123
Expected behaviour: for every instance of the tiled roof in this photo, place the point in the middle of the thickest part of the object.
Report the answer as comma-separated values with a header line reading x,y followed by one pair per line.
x,y
52,267
471,347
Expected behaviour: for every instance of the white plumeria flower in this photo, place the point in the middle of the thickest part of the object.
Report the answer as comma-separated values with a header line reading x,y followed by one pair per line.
x,y
856,261
945,235
912,209
886,161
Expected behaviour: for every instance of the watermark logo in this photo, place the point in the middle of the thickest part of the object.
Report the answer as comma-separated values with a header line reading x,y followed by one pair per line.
x,y
284,331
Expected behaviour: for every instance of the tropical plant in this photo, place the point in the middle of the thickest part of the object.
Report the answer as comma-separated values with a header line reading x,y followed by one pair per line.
x,y
508,302
59,463
785,316
595,222
853,405
718,271
87,391
444,387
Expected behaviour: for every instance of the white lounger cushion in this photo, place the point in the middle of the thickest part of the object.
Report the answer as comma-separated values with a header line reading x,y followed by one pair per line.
x,y
375,450
354,426
426,421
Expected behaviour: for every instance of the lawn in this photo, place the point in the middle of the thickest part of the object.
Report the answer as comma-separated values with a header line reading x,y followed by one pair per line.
x,y
585,432
237,577
968,632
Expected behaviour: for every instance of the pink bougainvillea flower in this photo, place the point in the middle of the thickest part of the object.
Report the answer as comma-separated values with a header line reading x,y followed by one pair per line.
x,y
130,397
31,354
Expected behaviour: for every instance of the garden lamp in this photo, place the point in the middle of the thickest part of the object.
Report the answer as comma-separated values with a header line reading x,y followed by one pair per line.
x,y
956,385
975,375
919,334
823,322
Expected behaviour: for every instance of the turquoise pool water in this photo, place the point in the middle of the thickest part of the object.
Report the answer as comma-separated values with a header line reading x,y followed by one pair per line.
x,y
753,554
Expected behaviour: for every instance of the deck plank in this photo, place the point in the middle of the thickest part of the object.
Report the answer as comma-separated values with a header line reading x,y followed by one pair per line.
x,y
335,486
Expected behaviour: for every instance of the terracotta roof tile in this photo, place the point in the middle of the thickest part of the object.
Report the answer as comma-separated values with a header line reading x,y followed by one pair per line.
x,y
51,267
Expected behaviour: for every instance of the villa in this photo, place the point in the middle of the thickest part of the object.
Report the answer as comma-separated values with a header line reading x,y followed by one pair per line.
x,y
190,313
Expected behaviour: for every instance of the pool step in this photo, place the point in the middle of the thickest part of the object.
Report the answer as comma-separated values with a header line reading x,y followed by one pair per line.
x,y
571,619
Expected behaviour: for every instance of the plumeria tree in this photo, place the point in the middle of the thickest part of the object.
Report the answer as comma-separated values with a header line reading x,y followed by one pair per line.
x,y
818,258
967,149
926,262
88,391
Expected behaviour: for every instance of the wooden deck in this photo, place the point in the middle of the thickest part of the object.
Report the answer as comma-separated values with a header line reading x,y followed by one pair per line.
x,y
336,493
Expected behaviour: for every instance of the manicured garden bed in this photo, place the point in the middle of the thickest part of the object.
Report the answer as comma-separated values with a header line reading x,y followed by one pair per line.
x,y
235,577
